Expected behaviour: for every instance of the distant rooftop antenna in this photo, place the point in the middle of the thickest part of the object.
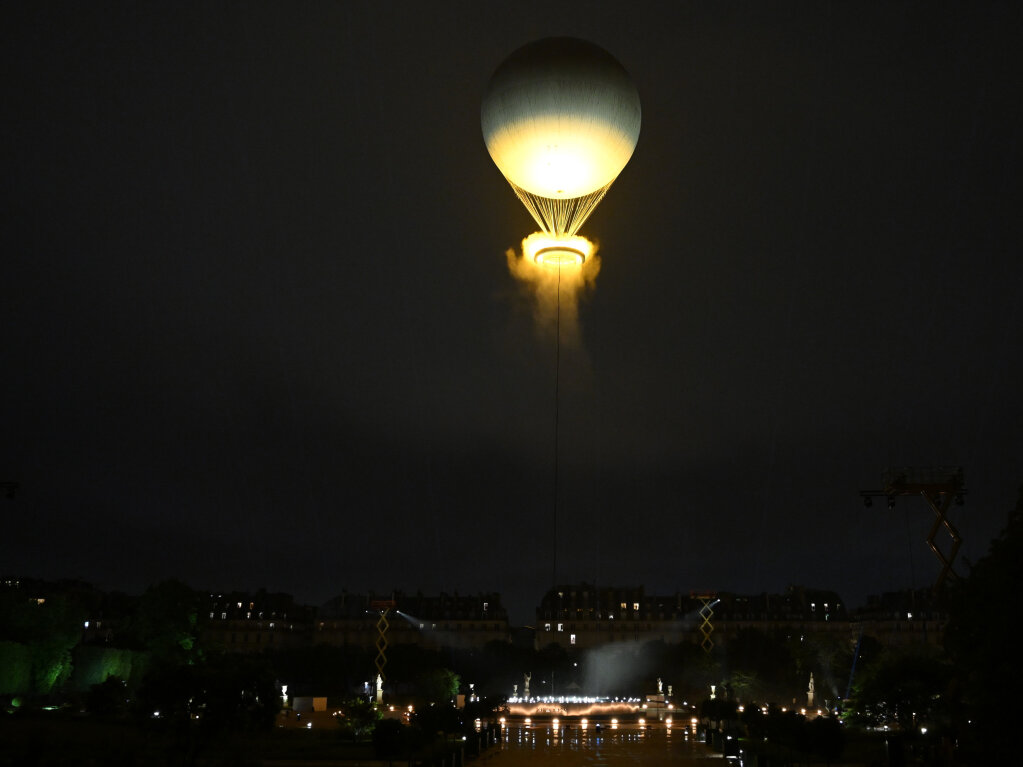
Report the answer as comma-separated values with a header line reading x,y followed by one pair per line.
x,y
939,486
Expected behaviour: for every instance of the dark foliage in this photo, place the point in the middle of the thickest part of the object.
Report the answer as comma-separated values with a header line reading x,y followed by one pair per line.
x,y
438,718
392,740
109,698
984,646
222,693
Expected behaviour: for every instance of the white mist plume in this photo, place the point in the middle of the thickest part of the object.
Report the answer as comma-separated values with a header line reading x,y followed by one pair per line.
x,y
622,665
544,284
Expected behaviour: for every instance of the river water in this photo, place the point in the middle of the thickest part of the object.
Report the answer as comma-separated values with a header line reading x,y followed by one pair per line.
x,y
544,746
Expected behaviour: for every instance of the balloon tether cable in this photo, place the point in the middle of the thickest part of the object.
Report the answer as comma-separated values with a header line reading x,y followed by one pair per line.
x,y
557,399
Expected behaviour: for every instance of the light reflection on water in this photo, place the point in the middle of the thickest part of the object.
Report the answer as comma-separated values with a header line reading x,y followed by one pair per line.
x,y
540,745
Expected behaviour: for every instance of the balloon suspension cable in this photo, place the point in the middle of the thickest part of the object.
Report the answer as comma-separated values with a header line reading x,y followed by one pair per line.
x,y
560,217
557,399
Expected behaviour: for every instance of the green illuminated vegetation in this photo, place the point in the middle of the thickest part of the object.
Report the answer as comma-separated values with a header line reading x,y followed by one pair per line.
x,y
36,643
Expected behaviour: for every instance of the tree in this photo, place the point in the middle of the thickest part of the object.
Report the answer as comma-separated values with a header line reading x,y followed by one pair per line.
x,y
166,621
437,718
358,717
393,740
983,645
828,656
902,689
438,685
48,629
223,692
108,698
333,669
761,666
15,668
500,667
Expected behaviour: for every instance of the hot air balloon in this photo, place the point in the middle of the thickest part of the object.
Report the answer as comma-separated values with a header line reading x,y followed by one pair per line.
x,y
560,119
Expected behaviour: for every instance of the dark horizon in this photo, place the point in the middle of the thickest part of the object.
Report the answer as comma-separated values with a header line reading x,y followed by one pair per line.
x,y
520,611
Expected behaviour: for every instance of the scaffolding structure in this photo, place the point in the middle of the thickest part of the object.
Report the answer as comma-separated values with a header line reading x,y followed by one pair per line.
x,y
939,486
707,602
384,606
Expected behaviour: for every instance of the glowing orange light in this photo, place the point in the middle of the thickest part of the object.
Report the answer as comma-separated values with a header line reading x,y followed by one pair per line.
x,y
546,250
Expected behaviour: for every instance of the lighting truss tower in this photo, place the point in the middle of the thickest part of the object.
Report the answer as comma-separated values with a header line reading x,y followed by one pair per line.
x,y
939,486
706,613
383,606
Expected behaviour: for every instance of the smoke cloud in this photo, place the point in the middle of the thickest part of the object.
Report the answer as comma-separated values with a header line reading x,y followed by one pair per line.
x,y
623,666
546,284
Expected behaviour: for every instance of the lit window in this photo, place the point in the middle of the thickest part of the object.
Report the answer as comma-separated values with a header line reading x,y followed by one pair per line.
x,y
546,627
571,639
635,605
239,605
561,627
223,616
486,606
623,605
211,616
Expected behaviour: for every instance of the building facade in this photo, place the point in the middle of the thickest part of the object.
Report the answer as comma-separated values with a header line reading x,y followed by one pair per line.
x,y
583,616
241,622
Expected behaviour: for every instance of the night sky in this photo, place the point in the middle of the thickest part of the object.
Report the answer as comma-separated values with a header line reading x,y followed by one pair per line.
x,y
258,327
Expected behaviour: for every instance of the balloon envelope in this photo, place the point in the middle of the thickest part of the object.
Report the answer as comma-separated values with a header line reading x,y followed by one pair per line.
x,y
561,118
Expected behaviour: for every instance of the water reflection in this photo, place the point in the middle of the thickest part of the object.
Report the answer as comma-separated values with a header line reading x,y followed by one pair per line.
x,y
570,744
